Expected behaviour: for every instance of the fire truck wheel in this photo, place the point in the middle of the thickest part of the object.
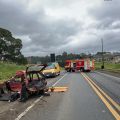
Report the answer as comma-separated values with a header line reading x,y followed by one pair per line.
x,y
73,70
69,70
82,69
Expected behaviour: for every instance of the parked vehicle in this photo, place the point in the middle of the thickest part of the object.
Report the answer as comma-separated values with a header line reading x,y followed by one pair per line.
x,y
79,64
52,70
24,84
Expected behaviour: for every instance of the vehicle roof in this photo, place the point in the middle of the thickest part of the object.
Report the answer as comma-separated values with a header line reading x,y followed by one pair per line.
x,y
35,68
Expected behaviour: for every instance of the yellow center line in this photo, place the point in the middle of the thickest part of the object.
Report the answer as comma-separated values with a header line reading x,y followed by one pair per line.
x,y
108,97
111,109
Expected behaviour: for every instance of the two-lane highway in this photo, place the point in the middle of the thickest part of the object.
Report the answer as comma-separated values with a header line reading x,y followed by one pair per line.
x,y
80,102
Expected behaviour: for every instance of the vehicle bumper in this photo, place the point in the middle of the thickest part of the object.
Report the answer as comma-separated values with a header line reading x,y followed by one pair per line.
x,y
49,74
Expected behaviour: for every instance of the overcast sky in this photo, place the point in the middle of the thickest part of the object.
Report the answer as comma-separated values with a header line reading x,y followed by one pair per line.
x,y
54,26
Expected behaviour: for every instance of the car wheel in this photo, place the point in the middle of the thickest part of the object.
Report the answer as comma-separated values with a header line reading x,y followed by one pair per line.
x,y
41,92
82,69
54,75
73,70
58,73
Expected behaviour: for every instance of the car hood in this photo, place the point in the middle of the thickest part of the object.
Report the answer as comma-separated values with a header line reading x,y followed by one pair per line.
x,y
49,71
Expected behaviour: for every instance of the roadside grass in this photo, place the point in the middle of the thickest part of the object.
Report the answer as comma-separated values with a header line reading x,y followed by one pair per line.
x,y
8,69
108,66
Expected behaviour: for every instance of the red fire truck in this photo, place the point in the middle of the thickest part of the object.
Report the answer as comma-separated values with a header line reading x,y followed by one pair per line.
x,y
79,64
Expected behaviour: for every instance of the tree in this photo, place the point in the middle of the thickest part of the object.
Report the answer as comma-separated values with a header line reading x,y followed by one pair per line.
x,y
10,47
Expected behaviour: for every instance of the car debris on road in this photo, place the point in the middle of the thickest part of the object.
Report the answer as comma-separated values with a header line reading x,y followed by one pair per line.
x,y
27,83
24,84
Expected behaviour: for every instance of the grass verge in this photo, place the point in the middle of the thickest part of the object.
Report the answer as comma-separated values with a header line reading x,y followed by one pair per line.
x,y
8,69
111,67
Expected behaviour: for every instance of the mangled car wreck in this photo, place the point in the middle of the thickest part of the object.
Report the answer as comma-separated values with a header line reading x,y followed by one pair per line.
x,y
24,84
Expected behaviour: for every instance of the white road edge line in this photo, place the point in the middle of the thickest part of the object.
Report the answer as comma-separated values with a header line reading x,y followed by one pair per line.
x,y
36,101
108,75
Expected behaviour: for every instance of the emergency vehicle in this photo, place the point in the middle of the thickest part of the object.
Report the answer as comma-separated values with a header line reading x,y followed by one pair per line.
x,y
79,64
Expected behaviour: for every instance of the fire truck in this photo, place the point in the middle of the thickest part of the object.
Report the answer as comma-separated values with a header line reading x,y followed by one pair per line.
x,y
79,65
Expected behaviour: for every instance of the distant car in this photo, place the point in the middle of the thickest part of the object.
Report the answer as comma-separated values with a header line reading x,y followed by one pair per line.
x,y
52,70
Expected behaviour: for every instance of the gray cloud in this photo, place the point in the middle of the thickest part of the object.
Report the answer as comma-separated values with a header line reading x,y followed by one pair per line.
x,y
16,18
106,13
42,34
55,33
108,26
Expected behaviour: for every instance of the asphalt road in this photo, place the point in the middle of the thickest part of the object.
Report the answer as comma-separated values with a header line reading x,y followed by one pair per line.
x,y
84,99
109,83
80,102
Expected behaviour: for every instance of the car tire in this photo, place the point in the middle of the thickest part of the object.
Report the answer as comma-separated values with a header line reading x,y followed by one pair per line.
x,y
82,69
41,92
58,73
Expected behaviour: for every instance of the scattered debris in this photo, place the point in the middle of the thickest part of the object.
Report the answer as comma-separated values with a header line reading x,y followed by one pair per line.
x,y
58,89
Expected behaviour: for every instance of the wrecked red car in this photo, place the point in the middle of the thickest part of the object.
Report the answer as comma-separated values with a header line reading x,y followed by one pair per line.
x,y
24,84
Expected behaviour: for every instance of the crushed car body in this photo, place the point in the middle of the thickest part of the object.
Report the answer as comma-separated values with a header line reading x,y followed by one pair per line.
x,y
24,84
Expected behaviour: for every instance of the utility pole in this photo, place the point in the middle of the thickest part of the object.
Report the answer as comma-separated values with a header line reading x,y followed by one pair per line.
x,y
102,67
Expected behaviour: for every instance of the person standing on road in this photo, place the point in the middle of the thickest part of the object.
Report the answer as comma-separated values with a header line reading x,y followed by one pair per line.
x,y
23,93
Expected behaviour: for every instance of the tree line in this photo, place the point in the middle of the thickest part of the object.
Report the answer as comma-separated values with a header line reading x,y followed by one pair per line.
x,y
70,56
59,58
